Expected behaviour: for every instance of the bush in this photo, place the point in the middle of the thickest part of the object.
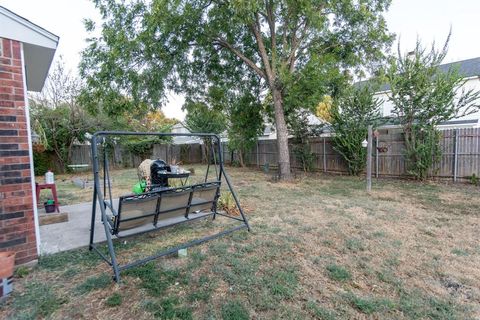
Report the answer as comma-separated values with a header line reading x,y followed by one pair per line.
x,y
424,96
41,163
352,113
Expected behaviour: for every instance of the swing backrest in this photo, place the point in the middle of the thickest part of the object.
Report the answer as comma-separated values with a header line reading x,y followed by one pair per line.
x,y
154,207
135,211
174,203
204,197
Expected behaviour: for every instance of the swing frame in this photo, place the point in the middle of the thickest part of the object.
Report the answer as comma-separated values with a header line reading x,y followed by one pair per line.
x,y
104,202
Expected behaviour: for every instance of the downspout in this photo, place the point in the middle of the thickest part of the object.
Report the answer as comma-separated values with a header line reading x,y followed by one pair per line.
x,y
30,152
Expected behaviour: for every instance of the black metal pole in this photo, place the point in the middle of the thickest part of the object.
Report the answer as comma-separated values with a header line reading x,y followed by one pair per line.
x,y
227,179
229,184
96,179
183,246
220,158
94,210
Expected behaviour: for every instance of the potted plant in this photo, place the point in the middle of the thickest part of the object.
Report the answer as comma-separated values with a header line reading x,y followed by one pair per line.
x,y
7,262
49,206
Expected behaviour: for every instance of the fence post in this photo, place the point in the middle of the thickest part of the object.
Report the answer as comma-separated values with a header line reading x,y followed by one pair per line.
x,y
258,160
455,156
369,159
376,157
324,156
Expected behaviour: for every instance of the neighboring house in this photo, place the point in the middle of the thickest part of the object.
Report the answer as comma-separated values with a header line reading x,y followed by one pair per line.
x,y
269,132
469,69
26,53
180,128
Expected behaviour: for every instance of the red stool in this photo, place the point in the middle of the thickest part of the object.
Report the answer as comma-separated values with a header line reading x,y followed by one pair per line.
x,y
41,186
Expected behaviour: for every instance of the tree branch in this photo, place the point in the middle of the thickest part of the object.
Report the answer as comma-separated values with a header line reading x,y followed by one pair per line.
x,y
240,55
263,52
296,42
271,25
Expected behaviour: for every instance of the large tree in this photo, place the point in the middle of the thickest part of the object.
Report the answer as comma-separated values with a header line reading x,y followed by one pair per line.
x,y
146,48
424,96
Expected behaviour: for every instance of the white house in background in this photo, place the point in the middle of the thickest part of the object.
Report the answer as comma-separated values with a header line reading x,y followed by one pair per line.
x,y
180,128
269,132
469,69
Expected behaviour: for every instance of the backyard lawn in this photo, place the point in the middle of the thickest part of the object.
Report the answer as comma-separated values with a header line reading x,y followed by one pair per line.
x,y
320,248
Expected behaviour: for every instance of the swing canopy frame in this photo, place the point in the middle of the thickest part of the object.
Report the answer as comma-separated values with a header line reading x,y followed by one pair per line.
x,y
170,206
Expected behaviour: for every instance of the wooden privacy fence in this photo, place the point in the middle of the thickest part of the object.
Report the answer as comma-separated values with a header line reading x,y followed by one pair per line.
x,y
460,157
460,154
120,157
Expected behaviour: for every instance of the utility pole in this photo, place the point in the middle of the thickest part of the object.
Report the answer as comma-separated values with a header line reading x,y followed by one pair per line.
x,y
369,159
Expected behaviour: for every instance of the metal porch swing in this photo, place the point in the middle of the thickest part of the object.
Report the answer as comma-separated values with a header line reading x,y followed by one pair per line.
x,y
157,208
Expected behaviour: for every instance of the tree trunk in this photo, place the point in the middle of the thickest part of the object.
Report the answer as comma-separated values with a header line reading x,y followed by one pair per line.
x,y
240,158
282,136
205,157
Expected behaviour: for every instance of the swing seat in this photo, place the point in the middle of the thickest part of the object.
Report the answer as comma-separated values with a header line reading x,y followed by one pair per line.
x,y
159,206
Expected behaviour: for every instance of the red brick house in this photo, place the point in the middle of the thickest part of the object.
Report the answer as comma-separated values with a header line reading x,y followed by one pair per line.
x,y
26,53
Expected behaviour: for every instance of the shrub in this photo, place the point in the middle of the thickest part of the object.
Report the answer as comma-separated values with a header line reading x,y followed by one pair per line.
x,y
352,113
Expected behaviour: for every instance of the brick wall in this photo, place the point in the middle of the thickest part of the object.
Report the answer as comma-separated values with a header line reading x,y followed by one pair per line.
x,y
17,227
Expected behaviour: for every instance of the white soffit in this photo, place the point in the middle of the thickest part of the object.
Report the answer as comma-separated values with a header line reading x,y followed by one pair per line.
x,y
39,46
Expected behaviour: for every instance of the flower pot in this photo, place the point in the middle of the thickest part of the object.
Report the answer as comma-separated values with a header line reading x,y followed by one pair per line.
x,y
7,262
49,208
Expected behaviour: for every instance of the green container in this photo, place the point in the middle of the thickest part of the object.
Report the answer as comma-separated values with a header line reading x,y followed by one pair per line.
x,y
140,187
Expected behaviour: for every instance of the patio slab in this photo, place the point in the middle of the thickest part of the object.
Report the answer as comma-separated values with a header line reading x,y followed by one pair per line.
x,y
76,232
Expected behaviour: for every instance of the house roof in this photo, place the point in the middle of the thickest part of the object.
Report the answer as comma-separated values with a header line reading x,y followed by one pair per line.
x,y
395,122
39,46
467,68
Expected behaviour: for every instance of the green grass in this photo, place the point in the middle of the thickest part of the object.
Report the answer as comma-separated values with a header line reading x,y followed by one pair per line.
x,y
354,245
155,280
205,287
94,283
460,252
39,300
169,308
22,272
114,300
234,310
417,306
338,273
282,283
62,260
369,305
320,312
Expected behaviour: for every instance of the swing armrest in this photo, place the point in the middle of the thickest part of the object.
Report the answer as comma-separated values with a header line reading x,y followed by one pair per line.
x,y
109,205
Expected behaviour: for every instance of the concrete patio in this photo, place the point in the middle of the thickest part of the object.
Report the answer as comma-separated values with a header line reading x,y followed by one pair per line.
x,y
75,233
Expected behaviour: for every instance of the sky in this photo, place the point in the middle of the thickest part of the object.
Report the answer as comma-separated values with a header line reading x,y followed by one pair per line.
x,y
428,20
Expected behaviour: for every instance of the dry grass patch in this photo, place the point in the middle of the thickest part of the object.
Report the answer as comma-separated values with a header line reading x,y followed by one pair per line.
x,y
320,248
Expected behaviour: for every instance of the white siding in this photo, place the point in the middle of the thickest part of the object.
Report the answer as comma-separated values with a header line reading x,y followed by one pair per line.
x,y
387,106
